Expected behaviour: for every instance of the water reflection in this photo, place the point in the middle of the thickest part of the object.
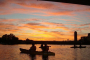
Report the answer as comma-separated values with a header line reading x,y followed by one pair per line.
x,y
78,54
33,57
64,52
75,53
44,57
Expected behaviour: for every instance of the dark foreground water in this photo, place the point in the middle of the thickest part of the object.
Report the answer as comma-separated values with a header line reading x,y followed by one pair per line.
x,y
62,52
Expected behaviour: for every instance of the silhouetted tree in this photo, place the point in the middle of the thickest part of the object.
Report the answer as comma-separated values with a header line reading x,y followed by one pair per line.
x,y
9,39
28,41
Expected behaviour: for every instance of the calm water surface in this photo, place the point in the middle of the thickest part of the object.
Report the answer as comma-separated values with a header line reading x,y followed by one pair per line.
x,y
62,52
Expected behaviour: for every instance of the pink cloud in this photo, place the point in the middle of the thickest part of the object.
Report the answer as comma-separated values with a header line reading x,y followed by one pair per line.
x,y
85,24
8,20
69,13
18,21
33,12
79,25
39,6
49,8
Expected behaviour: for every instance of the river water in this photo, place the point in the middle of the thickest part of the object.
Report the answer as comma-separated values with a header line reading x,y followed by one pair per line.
x,y
62,52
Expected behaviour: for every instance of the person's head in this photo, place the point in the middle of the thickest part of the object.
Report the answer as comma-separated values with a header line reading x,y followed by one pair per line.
x,y
33,44
41,44
45,44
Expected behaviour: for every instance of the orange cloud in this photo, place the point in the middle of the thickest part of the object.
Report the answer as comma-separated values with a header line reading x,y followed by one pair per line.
x,y
39,5
55,25
44,34
8,20
48,23
45,25
41,30
36,30
37,33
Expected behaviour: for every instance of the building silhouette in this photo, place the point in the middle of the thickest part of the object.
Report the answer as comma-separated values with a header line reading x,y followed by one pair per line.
x,y
88,37
75,36
85,39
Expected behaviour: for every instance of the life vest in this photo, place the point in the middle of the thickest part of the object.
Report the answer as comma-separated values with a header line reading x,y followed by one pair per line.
x,y
47,48
33,48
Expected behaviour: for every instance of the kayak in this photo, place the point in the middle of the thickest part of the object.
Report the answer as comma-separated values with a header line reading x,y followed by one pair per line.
x,y
36,52
79,47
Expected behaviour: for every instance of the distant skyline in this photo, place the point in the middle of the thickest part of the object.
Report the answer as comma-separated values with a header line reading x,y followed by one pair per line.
x,y
44,20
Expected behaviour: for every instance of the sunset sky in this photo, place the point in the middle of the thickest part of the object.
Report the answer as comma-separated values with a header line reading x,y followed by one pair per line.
x,y
43,20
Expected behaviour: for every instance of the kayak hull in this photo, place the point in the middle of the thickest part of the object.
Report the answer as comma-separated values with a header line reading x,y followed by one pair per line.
x,y
79,47
36,52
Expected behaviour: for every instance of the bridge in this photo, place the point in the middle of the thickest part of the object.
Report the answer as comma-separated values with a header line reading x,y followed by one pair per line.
x,y
81,2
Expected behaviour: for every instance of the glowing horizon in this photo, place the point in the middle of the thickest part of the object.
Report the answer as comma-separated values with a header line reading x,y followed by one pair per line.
x,y
43,20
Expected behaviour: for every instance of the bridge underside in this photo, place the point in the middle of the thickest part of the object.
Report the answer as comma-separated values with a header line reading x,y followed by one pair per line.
x,y
82,2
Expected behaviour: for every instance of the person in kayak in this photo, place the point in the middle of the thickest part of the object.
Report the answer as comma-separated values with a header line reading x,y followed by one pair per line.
x,y
33,47
46,48
42,47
